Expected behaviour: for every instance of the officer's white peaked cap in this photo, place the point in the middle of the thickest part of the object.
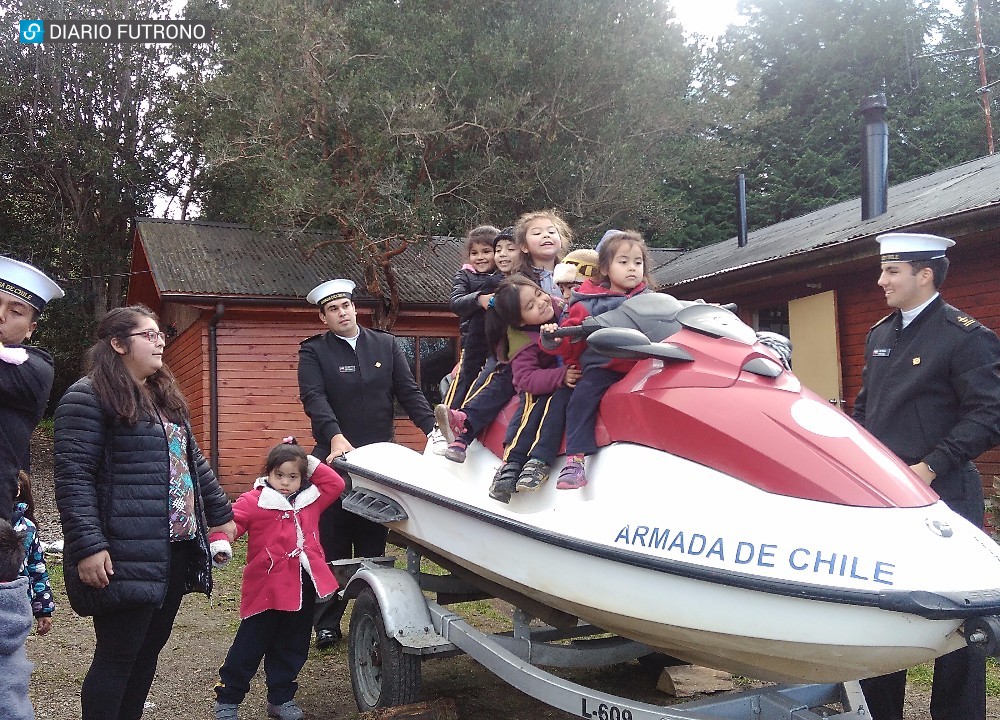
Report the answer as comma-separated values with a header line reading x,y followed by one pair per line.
x,y
331,290
906,247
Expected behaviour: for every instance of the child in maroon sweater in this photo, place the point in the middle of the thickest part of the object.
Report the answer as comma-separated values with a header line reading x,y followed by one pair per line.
x,y
520,307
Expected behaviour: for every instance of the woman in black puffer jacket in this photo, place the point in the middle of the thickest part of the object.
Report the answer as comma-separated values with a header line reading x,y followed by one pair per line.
x,y
137,501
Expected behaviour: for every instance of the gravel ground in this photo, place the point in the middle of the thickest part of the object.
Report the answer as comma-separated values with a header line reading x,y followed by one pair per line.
x,y
204,630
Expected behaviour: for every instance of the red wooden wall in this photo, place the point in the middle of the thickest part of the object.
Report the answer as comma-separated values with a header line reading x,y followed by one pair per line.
x,y
258,382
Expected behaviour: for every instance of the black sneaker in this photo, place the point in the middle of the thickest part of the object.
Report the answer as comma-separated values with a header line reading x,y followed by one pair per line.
x,y
505,482
327,638
535,472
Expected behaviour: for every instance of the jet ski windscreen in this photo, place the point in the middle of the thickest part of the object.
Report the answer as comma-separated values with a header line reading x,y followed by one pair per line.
x,y
717,322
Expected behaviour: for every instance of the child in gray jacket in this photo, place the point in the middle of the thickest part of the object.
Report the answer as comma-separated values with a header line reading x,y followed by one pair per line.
x,y
15,624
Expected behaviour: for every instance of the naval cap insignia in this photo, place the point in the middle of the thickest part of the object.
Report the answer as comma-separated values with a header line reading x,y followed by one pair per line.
x,y
939,527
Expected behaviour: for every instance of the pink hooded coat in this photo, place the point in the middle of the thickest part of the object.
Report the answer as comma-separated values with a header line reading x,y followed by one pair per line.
x,y
284,542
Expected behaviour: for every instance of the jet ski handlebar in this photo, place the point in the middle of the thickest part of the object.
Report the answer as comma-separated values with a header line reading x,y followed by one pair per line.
x,y
623,318
572,331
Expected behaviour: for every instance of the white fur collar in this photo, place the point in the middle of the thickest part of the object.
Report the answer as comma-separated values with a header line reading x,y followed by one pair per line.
x,y
271,499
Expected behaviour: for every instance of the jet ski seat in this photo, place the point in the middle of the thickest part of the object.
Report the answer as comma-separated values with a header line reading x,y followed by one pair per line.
x,y
652,314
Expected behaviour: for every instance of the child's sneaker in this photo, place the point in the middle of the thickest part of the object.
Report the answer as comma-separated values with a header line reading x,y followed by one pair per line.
x,y
226,711
456,450
534,473
572,476
285,711
439,445
451,422
505,482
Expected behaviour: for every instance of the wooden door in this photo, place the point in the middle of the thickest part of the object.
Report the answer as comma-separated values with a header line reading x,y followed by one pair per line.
x,y
812,325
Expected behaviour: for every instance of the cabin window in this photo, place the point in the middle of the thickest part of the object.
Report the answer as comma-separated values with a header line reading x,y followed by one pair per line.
x,y
772,319
431,360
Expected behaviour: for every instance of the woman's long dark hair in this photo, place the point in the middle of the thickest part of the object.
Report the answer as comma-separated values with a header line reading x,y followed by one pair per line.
x,y
505,312
116,389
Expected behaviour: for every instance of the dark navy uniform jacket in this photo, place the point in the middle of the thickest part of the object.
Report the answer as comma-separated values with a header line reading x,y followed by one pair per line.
x,y
24,393
931,393
351,392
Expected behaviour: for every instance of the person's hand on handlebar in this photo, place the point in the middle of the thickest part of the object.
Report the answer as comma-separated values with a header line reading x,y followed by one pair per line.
x,y
547,329
339,446
573,373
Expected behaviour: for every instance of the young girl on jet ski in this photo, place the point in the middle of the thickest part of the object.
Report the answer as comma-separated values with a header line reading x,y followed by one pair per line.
x,y
533,439
622,272
471,290
540,239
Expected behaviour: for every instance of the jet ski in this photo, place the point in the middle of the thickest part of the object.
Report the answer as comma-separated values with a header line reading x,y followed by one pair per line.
x,y
733,518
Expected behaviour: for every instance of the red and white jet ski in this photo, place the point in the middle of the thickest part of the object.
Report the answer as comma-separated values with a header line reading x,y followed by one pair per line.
x,y
732,518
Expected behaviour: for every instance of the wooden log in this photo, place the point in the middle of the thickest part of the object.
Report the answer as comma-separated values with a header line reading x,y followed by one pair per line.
x,y
442,709
689,680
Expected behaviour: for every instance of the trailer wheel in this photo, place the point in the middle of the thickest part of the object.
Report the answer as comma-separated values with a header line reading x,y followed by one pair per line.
x,y
381,673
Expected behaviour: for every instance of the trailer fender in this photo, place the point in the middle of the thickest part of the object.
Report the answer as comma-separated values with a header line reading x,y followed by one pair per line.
x,y
402,604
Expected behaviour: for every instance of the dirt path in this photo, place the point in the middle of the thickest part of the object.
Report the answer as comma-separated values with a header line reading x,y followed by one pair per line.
x,y
188,666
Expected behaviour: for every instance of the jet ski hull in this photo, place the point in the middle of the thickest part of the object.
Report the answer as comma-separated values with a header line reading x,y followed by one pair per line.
x,y
762,585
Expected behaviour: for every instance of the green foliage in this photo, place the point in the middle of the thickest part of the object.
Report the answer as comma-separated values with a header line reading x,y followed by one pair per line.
x,y
380,120
384,122
923,675
812,64
56,578
85,149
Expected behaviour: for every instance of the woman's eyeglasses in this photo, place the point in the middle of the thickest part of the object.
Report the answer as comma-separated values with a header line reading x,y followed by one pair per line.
x,y
151,335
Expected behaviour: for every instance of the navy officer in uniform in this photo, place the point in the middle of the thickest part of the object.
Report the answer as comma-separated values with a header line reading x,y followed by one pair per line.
x,y
348,379
930,391
26,373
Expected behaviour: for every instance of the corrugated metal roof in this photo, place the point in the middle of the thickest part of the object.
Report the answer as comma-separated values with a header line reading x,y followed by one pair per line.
x,y
956,190
662,256
206,258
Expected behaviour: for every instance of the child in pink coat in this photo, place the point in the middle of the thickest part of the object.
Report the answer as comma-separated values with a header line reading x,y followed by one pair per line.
x,y
286,571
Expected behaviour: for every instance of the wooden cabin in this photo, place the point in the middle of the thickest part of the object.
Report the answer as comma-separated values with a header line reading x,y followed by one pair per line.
x,y
814,277
232,301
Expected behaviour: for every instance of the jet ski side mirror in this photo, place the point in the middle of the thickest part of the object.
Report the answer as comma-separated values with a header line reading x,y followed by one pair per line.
x,y
629,344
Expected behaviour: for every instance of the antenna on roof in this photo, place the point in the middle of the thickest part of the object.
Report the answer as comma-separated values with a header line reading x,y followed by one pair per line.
x,y
979,49
912,68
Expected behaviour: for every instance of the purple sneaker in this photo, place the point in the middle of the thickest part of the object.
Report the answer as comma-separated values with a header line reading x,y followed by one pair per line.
x,y
456,451
572,476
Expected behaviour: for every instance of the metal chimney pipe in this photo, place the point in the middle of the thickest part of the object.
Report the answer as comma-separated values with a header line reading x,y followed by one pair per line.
x,y
875,163
741,209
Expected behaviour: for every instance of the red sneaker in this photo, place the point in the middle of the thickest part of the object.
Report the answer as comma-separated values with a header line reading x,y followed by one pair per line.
x,y
450,422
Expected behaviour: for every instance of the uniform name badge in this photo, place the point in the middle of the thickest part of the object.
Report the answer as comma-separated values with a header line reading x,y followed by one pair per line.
x,y
348,368
881,352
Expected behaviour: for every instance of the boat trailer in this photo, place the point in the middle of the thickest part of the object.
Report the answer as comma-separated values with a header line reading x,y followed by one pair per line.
x,y
395,625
